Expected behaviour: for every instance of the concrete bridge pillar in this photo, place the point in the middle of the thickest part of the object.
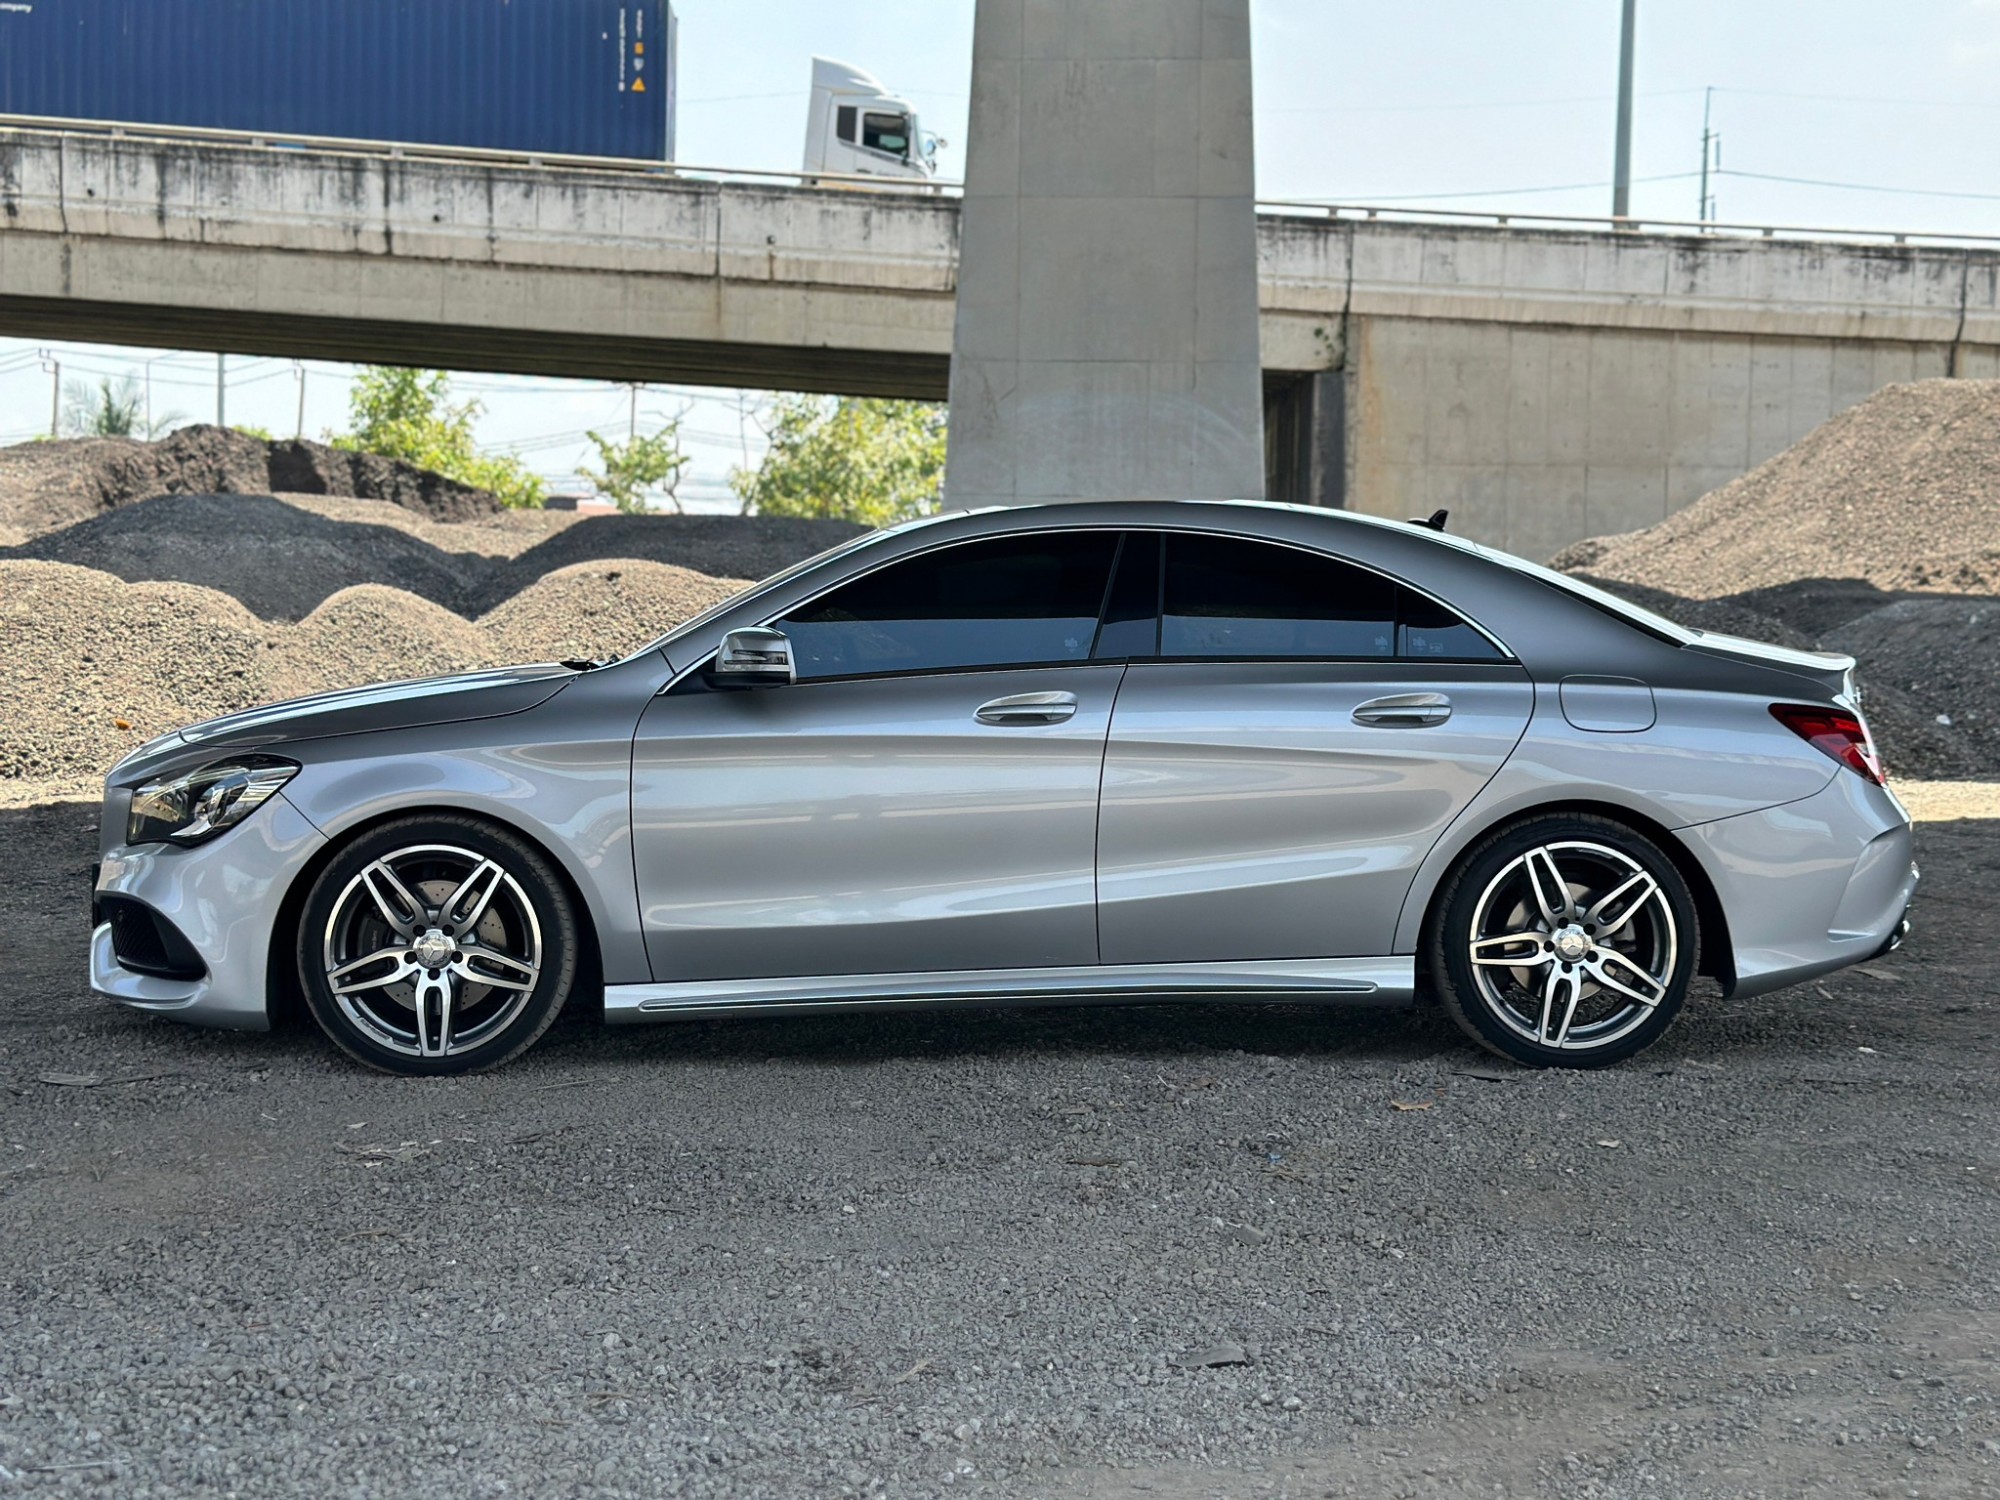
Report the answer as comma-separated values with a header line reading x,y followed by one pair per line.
x,y
1106,344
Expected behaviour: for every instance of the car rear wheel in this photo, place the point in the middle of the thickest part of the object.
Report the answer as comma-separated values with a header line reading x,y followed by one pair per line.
x,y
1565,941
437,945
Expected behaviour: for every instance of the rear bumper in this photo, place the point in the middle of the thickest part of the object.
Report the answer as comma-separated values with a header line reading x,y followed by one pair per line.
x,y
223,899
1811,886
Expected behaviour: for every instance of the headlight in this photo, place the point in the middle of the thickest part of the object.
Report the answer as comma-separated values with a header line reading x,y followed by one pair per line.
x,y
200,804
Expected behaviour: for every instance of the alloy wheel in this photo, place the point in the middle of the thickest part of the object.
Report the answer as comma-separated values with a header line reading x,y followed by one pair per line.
x,y
1573,945
432,950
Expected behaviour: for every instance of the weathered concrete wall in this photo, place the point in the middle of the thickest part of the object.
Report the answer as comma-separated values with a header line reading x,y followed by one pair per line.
x,y
1536,436
1542,385
1549,386
1107,336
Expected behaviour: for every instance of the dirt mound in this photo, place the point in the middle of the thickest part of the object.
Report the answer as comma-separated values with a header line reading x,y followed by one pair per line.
x,y
1936,662
721,546
44,486
95,666
1877,534
1901,491
370,633
283,555
601,609
278,560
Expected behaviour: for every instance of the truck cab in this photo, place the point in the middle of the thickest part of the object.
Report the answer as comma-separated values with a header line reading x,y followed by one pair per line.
x,y
856,128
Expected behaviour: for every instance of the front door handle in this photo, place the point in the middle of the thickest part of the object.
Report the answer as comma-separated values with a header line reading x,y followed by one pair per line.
x,y
1028,708
1404,711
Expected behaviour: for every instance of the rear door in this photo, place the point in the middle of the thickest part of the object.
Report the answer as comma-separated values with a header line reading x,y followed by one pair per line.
x,y
1293,734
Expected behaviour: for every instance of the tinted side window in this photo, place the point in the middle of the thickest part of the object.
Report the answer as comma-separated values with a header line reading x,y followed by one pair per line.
x,y
1426,628
1132,612
1013,601
1227,597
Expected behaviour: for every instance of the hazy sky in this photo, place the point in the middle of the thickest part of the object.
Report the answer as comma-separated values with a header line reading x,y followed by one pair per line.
x,y
1882,115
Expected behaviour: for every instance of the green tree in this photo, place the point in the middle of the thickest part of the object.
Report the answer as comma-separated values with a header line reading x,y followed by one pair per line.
x,y
850,458
110,408
634,469
409,415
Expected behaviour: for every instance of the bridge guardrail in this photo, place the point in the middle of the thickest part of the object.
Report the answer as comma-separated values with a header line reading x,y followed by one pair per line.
x,y
1312,208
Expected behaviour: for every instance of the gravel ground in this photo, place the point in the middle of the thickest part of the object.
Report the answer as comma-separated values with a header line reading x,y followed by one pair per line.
x,y
1189,1251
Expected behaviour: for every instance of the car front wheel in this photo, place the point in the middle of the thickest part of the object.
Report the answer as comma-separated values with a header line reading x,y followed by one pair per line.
x,y
436,945
1565,941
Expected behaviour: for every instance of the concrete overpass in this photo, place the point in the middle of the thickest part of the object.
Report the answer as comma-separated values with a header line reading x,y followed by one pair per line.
x,y
1545,383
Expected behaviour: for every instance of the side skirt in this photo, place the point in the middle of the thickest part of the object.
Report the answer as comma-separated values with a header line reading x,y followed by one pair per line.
x,y
1365,980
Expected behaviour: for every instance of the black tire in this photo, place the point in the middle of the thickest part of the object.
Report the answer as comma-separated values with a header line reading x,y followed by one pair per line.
x,y
501,985
1641,949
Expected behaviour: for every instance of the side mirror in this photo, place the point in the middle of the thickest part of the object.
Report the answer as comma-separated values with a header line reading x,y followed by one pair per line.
x,y
758,657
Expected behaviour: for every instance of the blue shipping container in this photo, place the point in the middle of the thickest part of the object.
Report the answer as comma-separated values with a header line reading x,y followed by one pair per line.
x,y
570,77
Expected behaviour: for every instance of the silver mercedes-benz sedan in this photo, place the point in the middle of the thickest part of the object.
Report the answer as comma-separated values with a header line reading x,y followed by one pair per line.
x,y
1080,753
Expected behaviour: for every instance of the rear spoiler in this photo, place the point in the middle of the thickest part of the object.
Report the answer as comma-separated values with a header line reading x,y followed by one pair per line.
x,y
1831,670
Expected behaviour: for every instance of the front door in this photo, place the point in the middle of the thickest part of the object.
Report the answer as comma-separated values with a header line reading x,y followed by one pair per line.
x,y
1275,777
924,797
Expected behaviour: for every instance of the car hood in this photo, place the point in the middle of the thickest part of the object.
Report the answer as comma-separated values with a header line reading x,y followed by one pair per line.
x,y
411,704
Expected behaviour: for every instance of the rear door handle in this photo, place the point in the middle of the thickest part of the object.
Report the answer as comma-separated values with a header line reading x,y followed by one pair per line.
x,y
1028,708
1404,711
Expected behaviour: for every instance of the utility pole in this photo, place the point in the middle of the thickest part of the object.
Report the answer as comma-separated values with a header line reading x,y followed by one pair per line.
x,y
1711,150
632,425
53,367
221,390
1621,175
299,374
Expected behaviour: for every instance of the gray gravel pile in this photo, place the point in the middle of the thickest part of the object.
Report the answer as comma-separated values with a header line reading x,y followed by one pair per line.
x,y
44,486
1328,1252
599,609
1901,491
95,666
1878,534
281,556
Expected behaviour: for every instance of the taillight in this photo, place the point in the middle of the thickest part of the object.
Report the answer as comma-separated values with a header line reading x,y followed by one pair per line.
x,y
1833,732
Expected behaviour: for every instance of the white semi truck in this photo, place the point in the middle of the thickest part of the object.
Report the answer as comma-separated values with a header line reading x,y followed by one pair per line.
x,y
857,128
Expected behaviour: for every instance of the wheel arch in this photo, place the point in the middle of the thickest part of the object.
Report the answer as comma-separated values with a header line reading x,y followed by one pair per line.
x,y
1717,955
283,1001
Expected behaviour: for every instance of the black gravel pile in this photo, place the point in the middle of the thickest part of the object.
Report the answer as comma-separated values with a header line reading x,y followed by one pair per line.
x,y
282,556
44,486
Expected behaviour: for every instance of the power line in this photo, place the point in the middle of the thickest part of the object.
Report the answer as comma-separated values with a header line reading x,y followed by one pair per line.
x,y
1861,99
1429,106
1857,187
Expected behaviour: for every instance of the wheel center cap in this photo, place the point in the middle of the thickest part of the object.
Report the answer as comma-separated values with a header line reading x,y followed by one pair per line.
x,y
433,948
1571,943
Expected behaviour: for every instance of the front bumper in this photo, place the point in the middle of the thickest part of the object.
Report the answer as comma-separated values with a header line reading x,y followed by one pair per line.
x,y
1810,886
223,898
